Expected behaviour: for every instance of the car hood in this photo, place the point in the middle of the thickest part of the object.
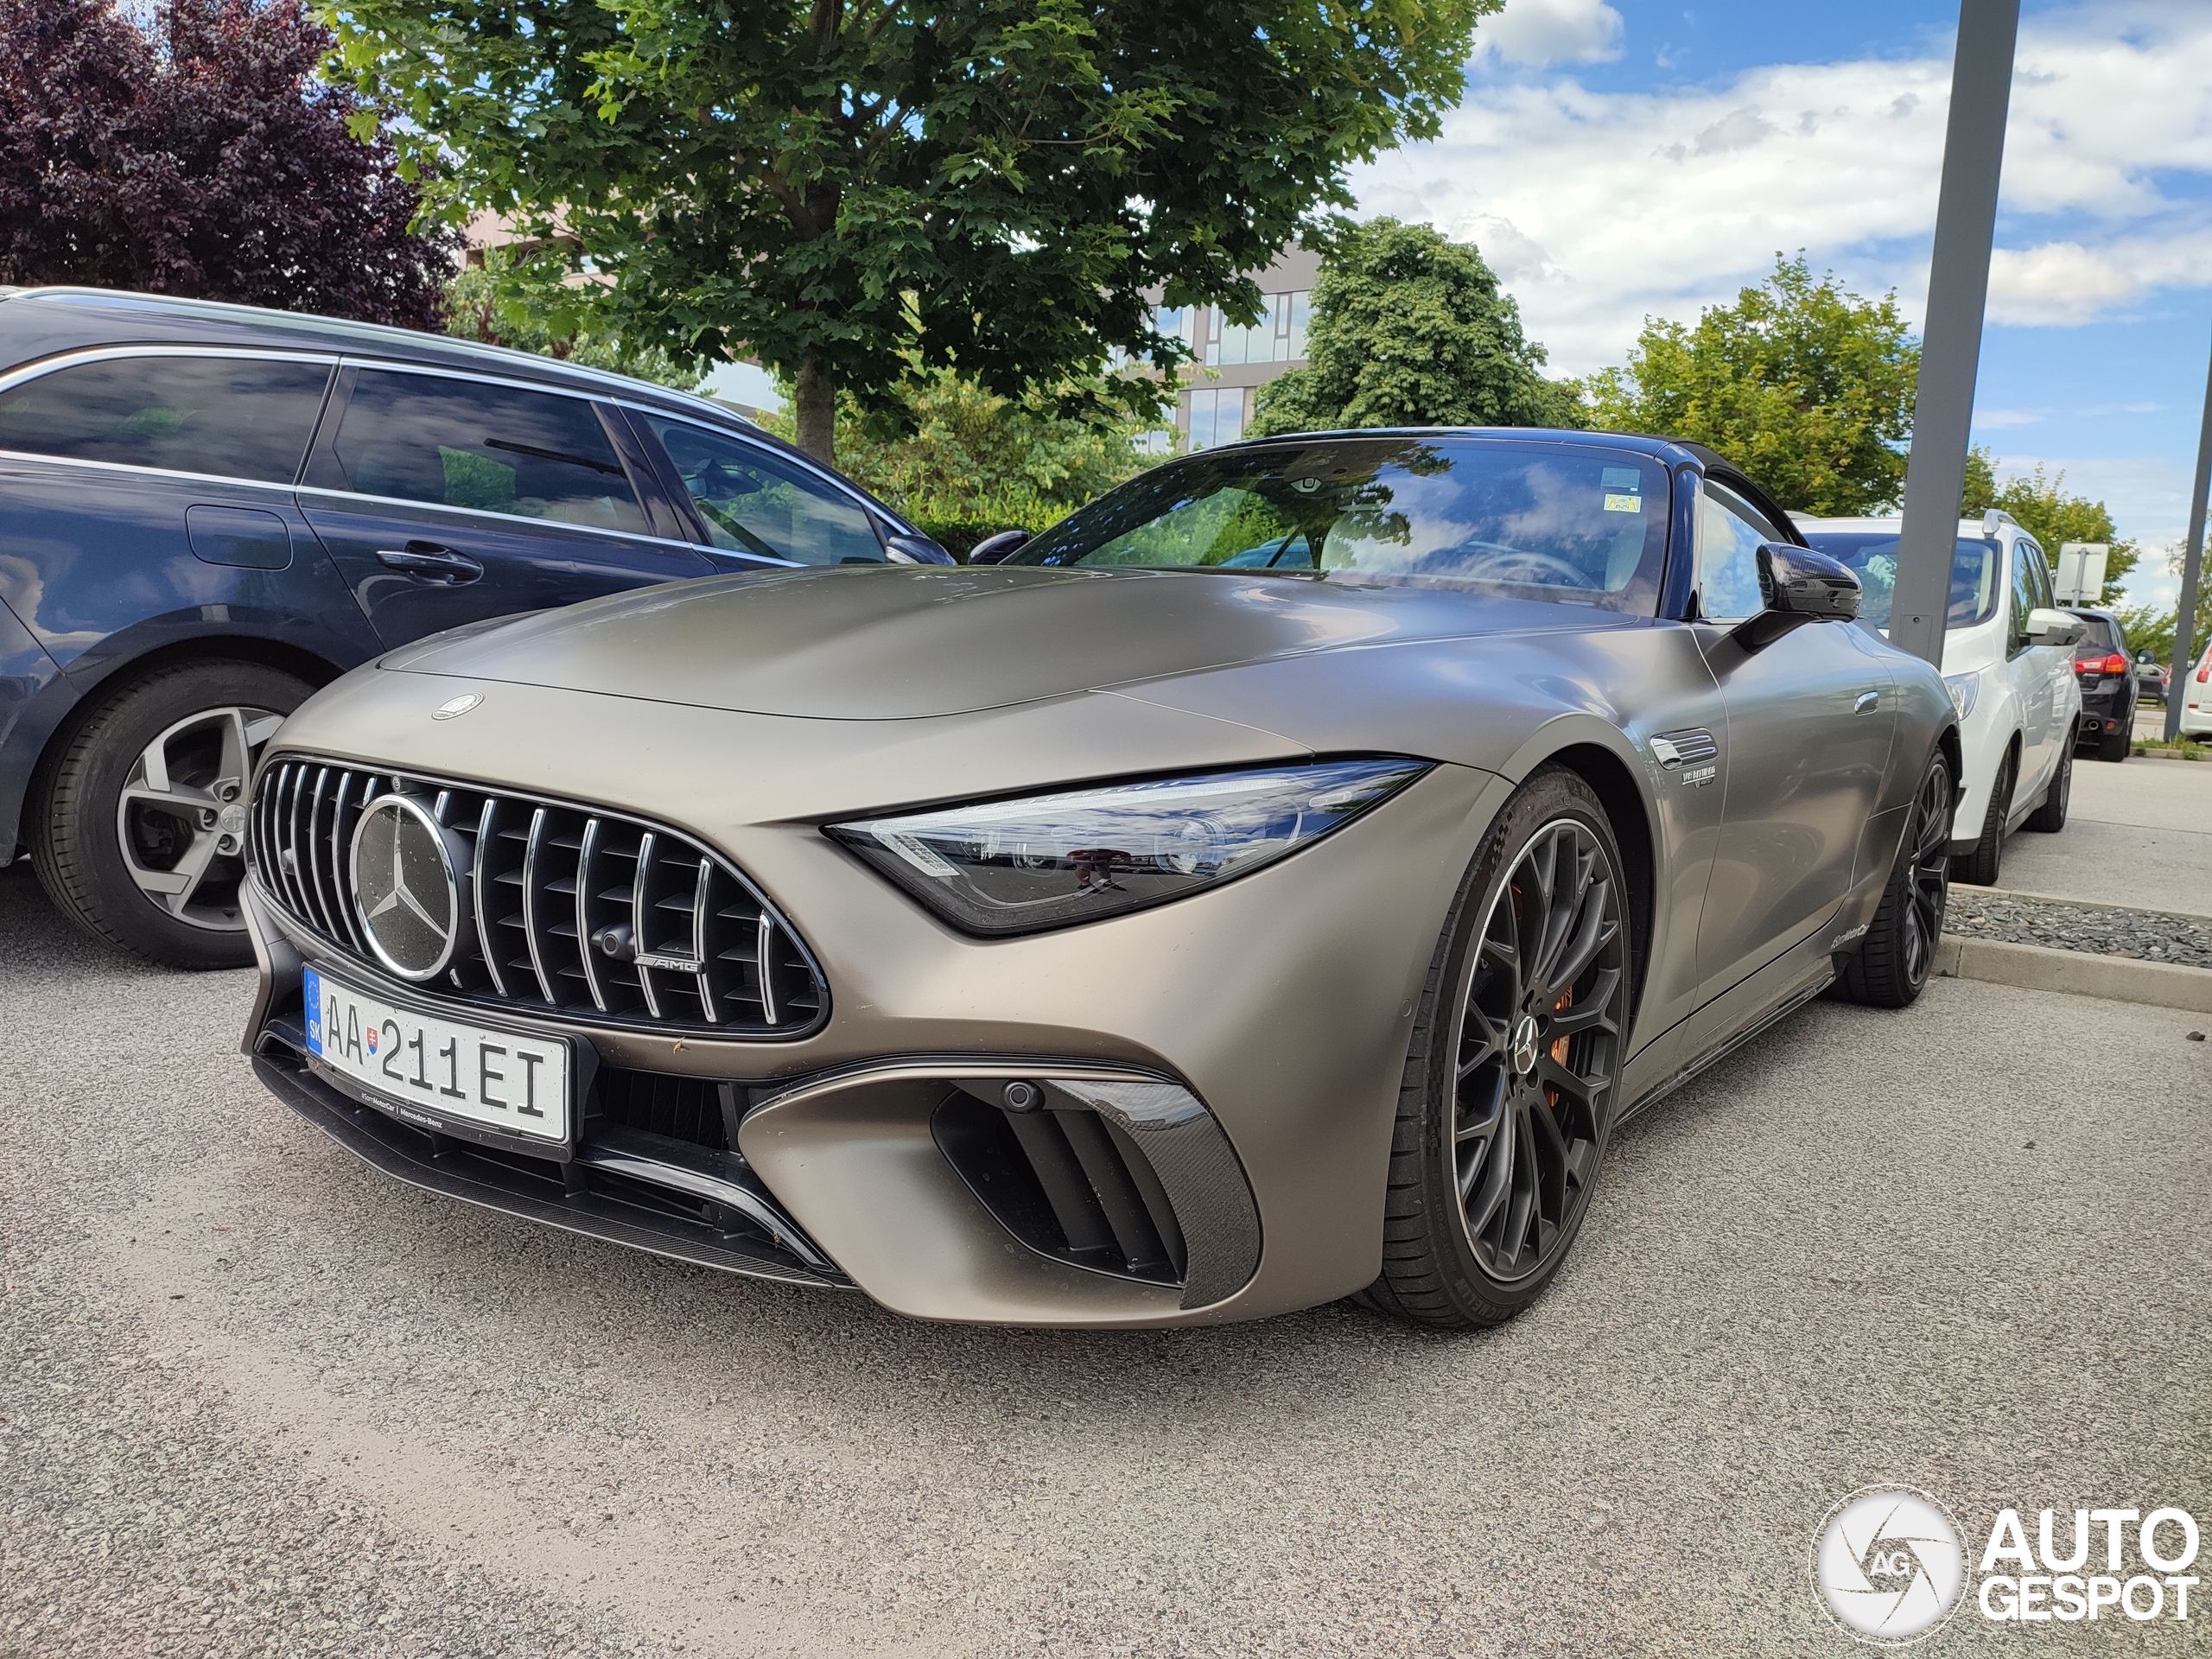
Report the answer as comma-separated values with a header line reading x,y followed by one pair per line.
x,y
912,642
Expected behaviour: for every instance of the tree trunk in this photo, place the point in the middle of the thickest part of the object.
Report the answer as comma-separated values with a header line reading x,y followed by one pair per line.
x,y
814,409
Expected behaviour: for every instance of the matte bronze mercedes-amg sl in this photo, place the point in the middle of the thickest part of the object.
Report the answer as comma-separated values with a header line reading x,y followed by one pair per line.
x,y
1275,882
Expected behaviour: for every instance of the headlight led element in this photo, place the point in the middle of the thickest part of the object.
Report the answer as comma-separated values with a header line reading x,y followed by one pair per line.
x,y
1051,860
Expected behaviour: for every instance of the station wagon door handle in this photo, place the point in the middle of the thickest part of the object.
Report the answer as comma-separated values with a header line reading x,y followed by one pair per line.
x,y
1867,702
431,563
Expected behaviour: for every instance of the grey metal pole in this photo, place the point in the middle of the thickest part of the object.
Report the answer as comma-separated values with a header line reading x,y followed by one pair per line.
x,y
1958,292
2192,565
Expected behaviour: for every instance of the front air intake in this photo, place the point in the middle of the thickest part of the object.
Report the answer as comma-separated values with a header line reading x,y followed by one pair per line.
x,y
1064,1179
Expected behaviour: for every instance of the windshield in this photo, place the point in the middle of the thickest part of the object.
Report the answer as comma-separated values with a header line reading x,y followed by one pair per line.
x,y
1550,521
1977,574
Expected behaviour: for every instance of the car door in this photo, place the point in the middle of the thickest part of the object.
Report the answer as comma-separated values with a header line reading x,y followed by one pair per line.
x,y
444,497
2034,670
1803,755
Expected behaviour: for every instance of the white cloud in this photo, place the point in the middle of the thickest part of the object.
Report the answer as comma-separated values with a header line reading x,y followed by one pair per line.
x,y
1600,207
1535,34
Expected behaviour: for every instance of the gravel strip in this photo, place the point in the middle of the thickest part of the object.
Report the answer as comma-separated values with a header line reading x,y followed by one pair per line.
x,y
1979,913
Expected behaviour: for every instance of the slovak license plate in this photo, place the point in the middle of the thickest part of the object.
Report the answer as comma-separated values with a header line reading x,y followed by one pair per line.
x,y
423,1064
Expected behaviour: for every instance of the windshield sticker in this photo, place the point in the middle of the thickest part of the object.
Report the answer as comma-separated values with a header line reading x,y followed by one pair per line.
x,y
1624,503
1624,478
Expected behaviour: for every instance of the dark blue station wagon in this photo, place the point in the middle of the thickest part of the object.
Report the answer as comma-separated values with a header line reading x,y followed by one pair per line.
x,y
208,511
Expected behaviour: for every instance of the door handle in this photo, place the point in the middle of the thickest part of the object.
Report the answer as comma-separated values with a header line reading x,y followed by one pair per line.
x,y
431,563
1867,702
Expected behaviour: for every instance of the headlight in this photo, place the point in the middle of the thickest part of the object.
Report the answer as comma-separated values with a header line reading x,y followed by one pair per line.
x,y
1964,688
1050,861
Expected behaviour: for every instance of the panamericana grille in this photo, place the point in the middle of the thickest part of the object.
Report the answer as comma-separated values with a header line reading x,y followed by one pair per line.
x,y
575,911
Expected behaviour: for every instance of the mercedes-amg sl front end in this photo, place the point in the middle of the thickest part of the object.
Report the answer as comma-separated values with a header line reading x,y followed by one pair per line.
x,y
1273,883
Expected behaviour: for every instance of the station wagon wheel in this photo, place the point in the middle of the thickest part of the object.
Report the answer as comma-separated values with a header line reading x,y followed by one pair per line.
x,y
138,817
181,819
1512,1075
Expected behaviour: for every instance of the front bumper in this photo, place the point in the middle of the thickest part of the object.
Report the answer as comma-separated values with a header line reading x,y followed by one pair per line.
x,y
1243,1045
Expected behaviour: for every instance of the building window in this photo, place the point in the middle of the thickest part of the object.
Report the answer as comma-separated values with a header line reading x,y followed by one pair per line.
x,y
1278,337
1217,416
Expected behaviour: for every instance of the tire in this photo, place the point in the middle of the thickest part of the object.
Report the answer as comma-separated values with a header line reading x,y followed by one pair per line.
x,y
149,855
2050,818
1892,963
1981,867
1508,1098
2117,745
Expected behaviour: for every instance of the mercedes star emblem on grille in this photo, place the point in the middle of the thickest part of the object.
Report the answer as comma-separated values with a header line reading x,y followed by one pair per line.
x,y
405,887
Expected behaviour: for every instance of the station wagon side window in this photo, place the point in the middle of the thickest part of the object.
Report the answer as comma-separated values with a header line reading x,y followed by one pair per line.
x,y
457,443
224,416
1728,531
753,500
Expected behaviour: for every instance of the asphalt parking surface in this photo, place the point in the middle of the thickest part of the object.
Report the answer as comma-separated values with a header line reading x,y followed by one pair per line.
x,y
256,1398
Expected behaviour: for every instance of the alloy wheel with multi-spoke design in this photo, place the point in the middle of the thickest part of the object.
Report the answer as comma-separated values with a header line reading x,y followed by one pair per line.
x,y
181,818
1543,1009
1928,873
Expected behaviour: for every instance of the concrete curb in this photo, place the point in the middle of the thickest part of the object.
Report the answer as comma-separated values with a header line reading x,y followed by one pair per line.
x,y
2076,973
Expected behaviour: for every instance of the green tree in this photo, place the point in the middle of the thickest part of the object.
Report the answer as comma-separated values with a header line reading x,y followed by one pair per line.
x,y
480,305
1806,388
1411,328
963,462
2039,504
836,186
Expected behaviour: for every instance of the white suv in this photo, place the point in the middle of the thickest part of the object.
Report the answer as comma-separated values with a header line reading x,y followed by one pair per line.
x,y
2008,659
2196,698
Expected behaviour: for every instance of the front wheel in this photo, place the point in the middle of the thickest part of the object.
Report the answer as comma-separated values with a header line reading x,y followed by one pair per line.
x,y
1514,1067
139,832
1891,964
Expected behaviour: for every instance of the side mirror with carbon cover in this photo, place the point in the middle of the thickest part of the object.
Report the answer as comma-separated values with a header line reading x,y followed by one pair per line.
x,y
1798,585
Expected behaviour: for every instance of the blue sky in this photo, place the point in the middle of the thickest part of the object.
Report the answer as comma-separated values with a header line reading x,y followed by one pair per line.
x,y
1620,158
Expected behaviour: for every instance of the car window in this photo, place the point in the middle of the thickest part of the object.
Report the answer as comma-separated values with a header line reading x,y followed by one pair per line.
x,y
231,416
2039,574
755,501
1566,524
1728,531
2023,596
469,443
1977,574
2097,639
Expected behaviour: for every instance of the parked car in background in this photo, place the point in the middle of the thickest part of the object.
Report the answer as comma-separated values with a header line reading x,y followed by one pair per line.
x,y
2196,698
2108,685
1273,881
2008,660
2150,677
208,511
